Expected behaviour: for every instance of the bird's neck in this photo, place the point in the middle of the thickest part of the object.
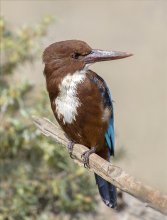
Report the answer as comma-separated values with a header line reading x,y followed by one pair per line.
x,y
70,81
65,75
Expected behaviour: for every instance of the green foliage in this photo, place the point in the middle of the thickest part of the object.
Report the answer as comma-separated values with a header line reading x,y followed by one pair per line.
x,y
21,46
37,178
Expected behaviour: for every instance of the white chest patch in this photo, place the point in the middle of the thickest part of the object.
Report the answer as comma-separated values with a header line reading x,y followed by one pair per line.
x,y
67,102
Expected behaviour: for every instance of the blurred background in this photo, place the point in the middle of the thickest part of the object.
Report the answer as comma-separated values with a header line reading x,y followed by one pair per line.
x,y
38,181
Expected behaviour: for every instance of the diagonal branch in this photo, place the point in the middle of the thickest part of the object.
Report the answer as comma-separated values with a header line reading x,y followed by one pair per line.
x,y
112,173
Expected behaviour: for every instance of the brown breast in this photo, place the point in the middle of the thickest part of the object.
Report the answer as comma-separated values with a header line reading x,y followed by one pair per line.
x,y
88,126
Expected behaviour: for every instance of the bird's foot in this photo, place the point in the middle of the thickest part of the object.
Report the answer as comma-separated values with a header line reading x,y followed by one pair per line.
x,y
70,146
85,156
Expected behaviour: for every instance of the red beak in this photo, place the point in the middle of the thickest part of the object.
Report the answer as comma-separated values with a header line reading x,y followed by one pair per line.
x,y
102,55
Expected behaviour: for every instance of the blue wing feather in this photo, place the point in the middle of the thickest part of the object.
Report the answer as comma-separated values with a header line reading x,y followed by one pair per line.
x,y
110,135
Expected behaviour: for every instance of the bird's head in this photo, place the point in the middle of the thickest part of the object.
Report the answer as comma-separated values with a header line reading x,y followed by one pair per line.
x,y
73,55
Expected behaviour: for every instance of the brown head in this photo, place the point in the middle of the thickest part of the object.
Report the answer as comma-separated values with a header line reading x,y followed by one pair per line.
x,y
67,57
71,55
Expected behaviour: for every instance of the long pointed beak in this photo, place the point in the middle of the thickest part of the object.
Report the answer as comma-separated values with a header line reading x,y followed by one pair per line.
x,y
102,55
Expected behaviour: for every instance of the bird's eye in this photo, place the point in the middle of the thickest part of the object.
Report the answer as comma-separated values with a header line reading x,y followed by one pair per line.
x,y
75,55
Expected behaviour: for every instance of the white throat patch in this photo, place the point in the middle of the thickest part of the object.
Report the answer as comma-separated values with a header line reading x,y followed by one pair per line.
x,y
67,102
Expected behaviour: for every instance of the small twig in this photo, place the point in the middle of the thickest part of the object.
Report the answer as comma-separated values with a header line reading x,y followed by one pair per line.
x,y
112,173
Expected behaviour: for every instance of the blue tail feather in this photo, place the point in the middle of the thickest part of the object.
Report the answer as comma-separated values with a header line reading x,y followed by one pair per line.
x,y
107,191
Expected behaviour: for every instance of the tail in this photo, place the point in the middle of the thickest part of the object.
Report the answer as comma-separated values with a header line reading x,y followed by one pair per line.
x,y
107,191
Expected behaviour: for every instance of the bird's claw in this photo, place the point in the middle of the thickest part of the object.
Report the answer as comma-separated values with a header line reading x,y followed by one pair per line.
x,y
85,156
70,146
71,155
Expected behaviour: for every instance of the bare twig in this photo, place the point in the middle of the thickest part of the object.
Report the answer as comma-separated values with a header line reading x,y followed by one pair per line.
x,y
112,173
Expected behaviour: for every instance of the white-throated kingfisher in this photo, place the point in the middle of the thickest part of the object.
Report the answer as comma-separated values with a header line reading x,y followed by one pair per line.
x,y
81,101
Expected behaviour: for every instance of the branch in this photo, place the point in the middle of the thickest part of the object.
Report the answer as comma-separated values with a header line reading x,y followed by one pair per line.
x,y
112,173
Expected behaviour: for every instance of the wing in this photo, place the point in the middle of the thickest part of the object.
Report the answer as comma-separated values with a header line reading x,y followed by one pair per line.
x,y
110,135
107,100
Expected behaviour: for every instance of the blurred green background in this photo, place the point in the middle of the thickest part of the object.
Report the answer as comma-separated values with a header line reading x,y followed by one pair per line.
x,y
37,181
37,178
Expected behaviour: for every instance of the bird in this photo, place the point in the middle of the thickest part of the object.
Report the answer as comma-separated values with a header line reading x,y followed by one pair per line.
x,y
82,102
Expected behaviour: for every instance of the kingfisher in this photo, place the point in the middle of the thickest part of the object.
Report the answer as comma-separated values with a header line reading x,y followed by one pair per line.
x,y
82,102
